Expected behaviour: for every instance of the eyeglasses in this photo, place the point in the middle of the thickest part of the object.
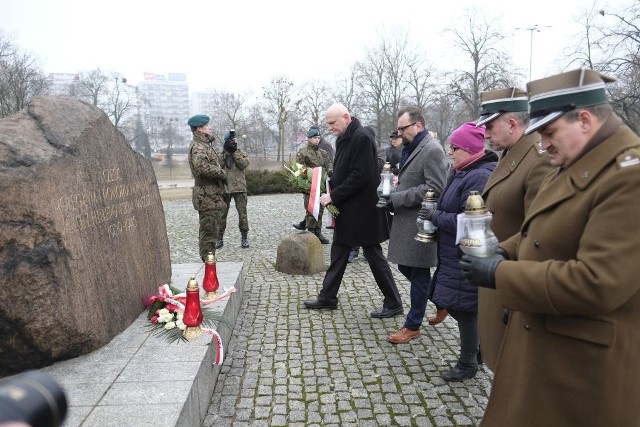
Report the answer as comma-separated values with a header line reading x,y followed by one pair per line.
x,y
403,128
452,149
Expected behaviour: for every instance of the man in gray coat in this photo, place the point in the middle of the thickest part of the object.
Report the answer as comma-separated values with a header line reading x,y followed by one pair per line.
x,y
422,166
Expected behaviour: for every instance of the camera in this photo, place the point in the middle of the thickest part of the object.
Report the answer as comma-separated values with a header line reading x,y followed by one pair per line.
x,y
34,398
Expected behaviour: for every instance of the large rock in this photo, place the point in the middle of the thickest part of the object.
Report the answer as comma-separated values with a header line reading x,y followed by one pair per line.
x,y
300,253
82,233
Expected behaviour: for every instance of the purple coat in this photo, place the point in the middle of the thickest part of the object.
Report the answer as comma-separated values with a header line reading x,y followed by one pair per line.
x,y
450,291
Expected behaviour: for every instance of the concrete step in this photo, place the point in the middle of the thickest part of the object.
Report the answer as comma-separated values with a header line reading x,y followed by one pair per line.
x,y
141,380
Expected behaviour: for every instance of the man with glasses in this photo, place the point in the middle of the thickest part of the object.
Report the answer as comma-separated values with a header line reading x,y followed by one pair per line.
x,y
422,166
353,186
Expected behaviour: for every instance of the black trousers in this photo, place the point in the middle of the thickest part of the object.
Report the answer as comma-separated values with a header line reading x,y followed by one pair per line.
x,y
379,268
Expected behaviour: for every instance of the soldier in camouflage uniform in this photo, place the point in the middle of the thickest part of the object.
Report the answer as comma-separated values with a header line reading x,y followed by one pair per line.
x,y
312,156
234,161
209,183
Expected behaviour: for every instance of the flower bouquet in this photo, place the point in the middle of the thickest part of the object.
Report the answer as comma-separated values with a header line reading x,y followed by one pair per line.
x,y
166,312
300,177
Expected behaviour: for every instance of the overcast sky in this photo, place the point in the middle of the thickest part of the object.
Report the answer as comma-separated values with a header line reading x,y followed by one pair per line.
x,y
239,45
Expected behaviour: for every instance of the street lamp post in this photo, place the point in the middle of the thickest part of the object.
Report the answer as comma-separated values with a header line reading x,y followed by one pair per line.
x,y
531,29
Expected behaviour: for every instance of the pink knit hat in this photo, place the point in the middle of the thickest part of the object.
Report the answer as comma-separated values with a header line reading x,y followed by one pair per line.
x,y
469,138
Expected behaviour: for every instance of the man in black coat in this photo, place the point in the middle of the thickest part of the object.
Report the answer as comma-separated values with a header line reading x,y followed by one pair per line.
x,y
353,185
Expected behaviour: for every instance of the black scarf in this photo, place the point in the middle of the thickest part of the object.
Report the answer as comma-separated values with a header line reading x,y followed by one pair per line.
x,y
408,149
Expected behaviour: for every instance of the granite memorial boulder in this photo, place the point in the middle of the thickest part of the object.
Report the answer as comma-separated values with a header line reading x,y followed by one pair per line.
x,y
82,233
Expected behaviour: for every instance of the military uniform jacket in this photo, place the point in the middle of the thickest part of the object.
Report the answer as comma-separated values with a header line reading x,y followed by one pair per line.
x,y
425,168
234,165
571,351
508,194
312,156
207,174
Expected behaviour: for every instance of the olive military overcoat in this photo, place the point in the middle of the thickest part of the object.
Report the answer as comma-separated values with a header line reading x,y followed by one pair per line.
x,y
571,350
508,194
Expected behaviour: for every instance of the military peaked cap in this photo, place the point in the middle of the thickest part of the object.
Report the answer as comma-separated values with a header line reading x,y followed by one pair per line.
x,y
198,120
495,102
551,97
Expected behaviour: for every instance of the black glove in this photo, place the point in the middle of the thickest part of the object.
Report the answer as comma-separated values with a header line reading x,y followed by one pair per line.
x,y
231,146
426,213
227,198
480,271
389,205
502,253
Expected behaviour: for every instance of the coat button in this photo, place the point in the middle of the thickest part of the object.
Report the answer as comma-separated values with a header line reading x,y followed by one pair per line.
x,y
527,327
536,244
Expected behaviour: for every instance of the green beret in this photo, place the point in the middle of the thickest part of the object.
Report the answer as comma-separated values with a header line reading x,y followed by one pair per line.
x,y
313,132
198,120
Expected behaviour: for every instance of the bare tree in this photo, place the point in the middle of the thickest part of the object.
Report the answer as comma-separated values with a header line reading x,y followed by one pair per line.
x,y
344,91
489,66
279,104
228,111
444,112
21,78
419,80
91,86
315,99
610,43
382,80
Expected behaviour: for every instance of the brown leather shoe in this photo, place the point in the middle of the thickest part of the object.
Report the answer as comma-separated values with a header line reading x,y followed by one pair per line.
x,y
403,336
441,314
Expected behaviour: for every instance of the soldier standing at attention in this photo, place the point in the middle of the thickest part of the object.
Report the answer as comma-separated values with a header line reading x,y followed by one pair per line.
x,y
208,188
234,161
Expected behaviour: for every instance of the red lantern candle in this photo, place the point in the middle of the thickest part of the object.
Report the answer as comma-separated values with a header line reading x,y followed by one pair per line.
x,y
192,311
210,282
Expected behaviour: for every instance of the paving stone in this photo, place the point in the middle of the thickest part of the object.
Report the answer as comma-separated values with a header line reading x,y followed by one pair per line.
x,y
286,365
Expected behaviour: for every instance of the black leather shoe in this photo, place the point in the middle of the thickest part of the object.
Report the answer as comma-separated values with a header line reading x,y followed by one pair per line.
x,y
459,373
300,225
316,304
386,312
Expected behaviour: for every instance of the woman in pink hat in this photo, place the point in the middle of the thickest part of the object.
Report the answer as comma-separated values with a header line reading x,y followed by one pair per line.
x,y
472,165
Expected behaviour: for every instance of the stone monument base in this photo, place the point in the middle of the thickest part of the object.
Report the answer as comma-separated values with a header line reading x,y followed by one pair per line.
x,y
300,253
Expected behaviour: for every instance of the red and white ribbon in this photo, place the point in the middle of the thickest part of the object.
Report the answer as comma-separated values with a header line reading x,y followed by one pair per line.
x,y
333,220
218,297
218,343
314,194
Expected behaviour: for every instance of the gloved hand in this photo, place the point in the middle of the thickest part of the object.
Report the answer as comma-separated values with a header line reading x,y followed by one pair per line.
x,y
480,271
502,253
227,198
389,205
231,146
426,213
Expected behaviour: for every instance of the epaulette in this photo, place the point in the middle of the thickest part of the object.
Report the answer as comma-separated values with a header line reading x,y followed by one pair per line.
x,y
630,157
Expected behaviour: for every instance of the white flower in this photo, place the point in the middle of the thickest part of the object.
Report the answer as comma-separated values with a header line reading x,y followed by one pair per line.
x,y
170,325
179,315
296,173
180,325
162,311
165,317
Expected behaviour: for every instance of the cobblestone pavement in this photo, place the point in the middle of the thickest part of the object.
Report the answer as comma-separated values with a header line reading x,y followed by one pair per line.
x,y
288,366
